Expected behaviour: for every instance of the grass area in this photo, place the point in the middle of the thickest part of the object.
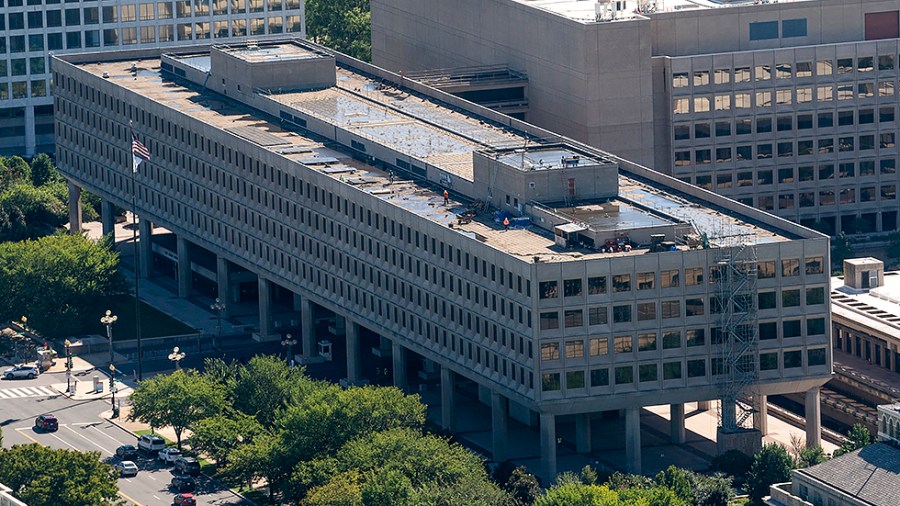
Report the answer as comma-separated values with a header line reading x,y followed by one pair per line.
x,y
154,323
739,501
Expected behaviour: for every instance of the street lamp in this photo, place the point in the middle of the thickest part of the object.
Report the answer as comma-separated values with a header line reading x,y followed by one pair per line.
x,y
108,320
289,342
112,389
218,306
67,344
176,356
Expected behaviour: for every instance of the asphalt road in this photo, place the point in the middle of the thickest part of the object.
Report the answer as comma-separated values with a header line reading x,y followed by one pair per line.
x,y
82,429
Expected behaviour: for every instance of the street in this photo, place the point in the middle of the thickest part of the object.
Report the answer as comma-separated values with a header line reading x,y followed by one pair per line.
x,y
81,428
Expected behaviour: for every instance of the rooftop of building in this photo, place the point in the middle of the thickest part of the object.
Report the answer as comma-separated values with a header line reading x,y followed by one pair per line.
x,y
870,474
878,308
613,10
433,132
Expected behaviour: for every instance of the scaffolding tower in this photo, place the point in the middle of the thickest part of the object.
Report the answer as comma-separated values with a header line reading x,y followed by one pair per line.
x,y
737,366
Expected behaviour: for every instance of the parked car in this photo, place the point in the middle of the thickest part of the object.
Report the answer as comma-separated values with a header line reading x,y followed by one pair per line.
x,y
168,455
151,443
183,483
127,452
22,371
184,500
47,423
187,465
126,468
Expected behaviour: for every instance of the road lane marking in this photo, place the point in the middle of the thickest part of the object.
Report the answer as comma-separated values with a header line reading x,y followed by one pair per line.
x,y
123,494
87,439
19,430
157,498
65,442
107,435
151,477
20,392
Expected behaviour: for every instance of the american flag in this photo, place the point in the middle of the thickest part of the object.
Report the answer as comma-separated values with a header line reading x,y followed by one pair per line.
x,y
139,151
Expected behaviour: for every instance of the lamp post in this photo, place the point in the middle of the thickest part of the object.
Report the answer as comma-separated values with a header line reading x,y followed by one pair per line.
x,y
176,356
218,306
108,320
112,390
289,341
67,344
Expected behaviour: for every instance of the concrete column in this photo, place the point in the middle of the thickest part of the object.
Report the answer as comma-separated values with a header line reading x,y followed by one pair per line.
x,y
583,433
892,359
223,279
353,359
813,418
703,405
633,440
548,446
298,302
761,415
183,248
448,400
145,246
499,426
729,413
30,136
676,424
74,208
308,326
398,354
265,308
107,219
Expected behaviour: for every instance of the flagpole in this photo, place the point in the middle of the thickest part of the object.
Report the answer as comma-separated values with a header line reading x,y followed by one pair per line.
x,y
137,259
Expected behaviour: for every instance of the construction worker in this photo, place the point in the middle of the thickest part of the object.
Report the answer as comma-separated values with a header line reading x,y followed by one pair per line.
x,y
446,197
506,223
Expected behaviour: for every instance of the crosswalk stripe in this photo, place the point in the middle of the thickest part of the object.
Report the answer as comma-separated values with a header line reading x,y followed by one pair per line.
x,y
21,392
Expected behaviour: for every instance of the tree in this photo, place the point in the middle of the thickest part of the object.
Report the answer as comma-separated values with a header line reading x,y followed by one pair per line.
x,y
179,400
733,463
573,494
523,486
263,458
858,437
772,464
266,385
40,211
13,169
343,25
41,476
841,249
713,490
43,170
219,435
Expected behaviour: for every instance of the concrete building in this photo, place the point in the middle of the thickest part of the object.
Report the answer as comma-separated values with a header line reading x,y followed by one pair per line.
x,y
7,499
866,477
31,31
559,280
789,107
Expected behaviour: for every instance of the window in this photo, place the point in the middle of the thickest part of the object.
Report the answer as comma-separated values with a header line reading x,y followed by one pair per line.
x,y
549,351
574,379
693,276
599,346
550,381
790,267
701,77
671,370
622,314
768,361
624,375
815,326
549,320
670,309
572,287
824,68
622,344
646,280
701,104
646,311
574,318
742,74
783,71
695,337
596,285
722,76
793,28
793,359
574,349
671,339
669,279
815,265
696,368
646,342
815,296
621,283
767,300
764,30
648,372
548,289
816,357
790,298
790,328
680,79
597,315
682,132
599,377
694,307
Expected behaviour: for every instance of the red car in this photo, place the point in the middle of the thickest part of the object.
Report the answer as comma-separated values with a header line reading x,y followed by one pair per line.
x,y
185,500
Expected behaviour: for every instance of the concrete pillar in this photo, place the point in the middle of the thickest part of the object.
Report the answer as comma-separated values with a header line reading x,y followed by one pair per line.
x,y
398,354
633,440
223,280
308,326
108,219
729,413
183,248
448,399
548,447
74,208
583,433
353,359
892,358
499,426
703,405
265,308
145,246
298,302
30,136
813,418
676,424
761,415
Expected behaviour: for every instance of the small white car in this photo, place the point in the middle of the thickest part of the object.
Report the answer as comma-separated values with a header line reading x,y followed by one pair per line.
x,y
151,443
22,371
127,468
168,455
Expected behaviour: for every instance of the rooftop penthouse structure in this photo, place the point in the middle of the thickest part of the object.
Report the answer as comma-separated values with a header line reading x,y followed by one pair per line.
x,y
455,242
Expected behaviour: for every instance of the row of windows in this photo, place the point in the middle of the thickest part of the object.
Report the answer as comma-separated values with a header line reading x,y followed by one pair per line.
x,y
24,89
787,149
579,380
763,124
760,99
618,283
787,70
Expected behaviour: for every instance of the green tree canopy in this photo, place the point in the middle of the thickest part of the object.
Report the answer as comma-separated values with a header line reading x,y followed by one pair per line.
x,y
219,435
266,385
41,476
858,437
56,281
575,494
343,25
13,169
179,400
43,170
772,464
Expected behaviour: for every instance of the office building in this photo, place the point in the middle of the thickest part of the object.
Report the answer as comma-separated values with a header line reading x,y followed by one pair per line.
x,y
561,280
32,30
789,107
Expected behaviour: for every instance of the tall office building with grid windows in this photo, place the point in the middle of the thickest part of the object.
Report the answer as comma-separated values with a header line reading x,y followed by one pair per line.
x,y
790,107
31,30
